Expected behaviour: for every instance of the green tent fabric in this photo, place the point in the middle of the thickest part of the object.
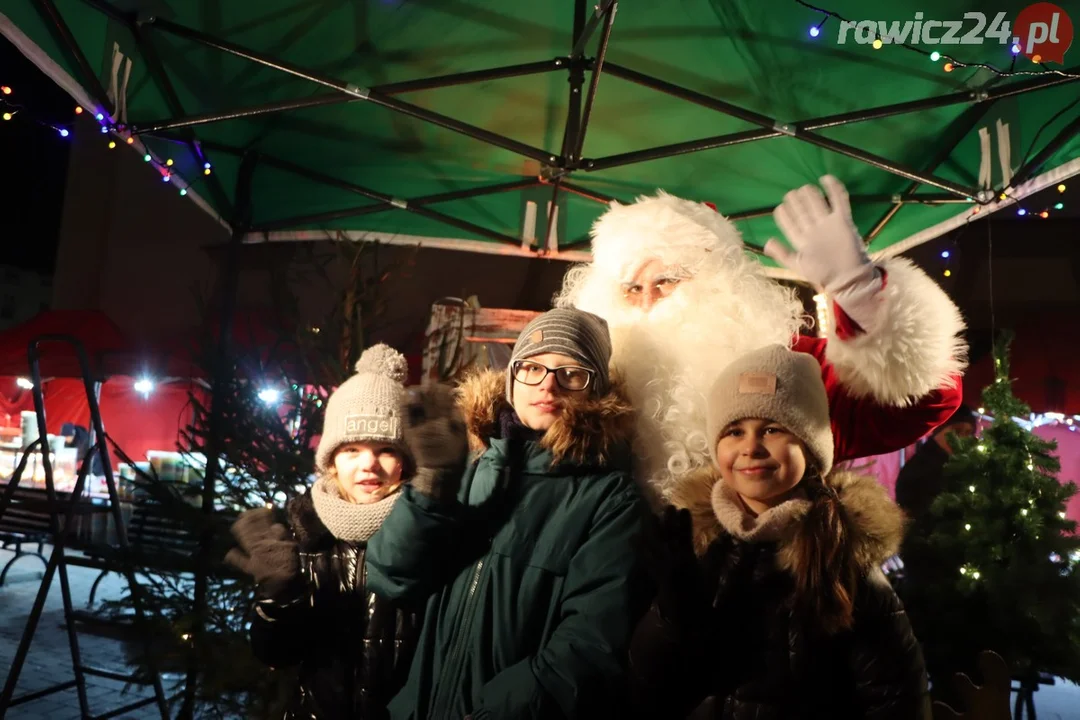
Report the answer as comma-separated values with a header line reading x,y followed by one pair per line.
x,y
753,54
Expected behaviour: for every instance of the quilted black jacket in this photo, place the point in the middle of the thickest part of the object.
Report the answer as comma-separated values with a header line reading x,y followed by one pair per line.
x,y
754,658
353,648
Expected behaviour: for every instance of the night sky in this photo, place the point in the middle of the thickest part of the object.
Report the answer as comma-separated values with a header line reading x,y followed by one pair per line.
x,y
35,160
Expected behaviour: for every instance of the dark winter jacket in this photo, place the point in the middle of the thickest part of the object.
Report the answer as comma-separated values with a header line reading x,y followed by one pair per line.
x,y
753,657
353,648
920,480
538,584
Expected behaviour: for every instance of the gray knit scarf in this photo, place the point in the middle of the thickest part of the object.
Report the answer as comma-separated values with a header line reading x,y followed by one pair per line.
x,y
345,520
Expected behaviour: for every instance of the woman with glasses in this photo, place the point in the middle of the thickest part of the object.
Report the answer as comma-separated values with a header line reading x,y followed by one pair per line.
x,y
529,551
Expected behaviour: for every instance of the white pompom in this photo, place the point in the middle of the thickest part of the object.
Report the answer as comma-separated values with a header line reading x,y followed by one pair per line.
x,y
382,359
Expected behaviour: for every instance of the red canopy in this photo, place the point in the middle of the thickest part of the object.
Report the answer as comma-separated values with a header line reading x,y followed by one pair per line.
x,y
109,350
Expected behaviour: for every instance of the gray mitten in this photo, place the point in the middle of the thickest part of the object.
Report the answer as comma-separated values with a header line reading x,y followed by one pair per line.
x,y
268,553
436,435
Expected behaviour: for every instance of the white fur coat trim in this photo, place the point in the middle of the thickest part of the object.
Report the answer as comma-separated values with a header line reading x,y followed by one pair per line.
x,y
916,347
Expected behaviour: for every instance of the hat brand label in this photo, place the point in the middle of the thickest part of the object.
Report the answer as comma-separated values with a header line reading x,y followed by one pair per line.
x,y
371,425
536,336
757,383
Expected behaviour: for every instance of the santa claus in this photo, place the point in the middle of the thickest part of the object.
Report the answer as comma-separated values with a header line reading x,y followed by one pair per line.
x,y
683,299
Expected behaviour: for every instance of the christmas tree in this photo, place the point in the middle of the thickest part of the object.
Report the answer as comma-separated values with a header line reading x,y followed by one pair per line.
x,y
271,412
995,563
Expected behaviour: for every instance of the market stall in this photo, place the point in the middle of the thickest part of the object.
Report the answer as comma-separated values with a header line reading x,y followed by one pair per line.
x,y
142,408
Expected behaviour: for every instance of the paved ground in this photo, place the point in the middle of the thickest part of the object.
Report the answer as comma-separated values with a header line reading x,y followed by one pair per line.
x,y
49,660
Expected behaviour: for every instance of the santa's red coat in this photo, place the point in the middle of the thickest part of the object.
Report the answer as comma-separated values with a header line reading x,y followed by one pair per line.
x,y
863,427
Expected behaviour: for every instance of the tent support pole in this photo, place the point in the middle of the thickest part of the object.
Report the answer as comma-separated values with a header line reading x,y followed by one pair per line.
x,y
594,81
576,80
241,221
961,128
551,213
165,86
582,39
384,206
62,33
897,201
340,98
828,121
790,130
1025,173
383,199
586,193
354,91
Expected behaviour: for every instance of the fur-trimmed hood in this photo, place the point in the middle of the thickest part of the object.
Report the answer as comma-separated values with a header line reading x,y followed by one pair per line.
x,y
598,430
876,523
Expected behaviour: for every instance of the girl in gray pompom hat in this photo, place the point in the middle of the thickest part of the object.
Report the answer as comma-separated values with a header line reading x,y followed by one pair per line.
x,y
771,602
313,608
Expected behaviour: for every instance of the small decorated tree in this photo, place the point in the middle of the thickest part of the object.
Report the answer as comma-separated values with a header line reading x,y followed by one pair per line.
x,y
995,565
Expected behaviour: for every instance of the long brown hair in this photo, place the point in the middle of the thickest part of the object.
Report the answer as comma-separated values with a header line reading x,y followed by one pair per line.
x,y
825,564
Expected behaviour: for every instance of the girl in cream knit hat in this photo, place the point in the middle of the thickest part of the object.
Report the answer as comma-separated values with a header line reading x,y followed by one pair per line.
x,y
771,601
314,610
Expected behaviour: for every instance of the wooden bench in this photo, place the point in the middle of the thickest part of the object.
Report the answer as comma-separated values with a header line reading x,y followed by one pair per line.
x,y
158,542
26,522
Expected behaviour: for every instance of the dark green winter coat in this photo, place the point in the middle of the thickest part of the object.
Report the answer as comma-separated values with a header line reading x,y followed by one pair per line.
x,y
535,572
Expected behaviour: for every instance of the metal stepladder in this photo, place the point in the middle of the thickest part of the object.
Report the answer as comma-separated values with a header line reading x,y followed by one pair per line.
x,y
61,514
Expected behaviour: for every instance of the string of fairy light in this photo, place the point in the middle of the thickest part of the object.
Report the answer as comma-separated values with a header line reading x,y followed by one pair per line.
x,y
116,134
997,31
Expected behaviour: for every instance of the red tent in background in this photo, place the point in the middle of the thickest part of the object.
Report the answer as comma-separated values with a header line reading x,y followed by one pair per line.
x,y
136,422
104,342
1043,365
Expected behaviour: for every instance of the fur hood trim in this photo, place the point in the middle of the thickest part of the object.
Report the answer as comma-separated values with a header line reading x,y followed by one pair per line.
x,y
876,523
596,430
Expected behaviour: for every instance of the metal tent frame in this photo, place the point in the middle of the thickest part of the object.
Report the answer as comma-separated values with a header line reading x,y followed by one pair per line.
x,y
556,169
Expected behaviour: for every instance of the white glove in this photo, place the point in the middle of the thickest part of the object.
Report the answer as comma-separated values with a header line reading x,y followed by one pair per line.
x,y
828,250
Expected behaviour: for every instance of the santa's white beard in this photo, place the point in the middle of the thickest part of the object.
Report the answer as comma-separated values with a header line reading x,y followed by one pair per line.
x,y
671,356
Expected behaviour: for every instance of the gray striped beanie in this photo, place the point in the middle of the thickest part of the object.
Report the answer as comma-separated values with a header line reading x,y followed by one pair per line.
x,y
568,331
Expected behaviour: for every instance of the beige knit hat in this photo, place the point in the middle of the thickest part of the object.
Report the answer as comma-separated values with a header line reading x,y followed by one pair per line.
x,y
777,384
367,407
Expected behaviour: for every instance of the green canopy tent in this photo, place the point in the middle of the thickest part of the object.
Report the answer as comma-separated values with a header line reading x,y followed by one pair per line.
x,y
454,124
507,127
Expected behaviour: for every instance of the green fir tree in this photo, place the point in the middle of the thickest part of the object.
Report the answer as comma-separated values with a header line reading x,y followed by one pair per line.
x,y
995,564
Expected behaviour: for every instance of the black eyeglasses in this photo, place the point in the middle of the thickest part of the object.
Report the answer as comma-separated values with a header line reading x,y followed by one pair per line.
x,y
568,377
